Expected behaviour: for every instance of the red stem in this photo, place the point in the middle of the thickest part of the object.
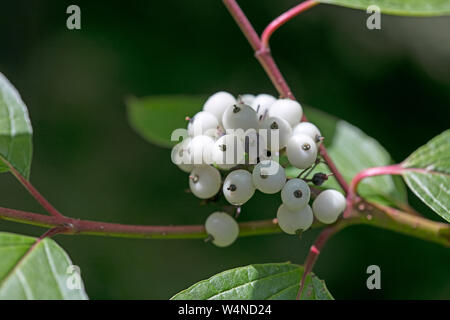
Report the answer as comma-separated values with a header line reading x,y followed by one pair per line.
x,y
395,169
313,254
32,190
263,55
66,225
282,19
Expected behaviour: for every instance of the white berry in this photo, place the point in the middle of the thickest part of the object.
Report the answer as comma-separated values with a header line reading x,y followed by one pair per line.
x,y
287,109
247,98
328,205
273,128
238,187
295,194
199,149
292,221
179,155
204,181
217,103
228,151
254,144
261,105
268,176
223,228
301,151
309,129
239,116
203,123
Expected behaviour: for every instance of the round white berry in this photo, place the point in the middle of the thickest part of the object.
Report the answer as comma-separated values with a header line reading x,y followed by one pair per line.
x,y
204,181
277,133
328,205
203,123
179,155
261,105
309,129
293,221
287,109
238,187
295,194
301,151
239,116
228,151
217,103
223,228
268,176
254,144
199,149
247,99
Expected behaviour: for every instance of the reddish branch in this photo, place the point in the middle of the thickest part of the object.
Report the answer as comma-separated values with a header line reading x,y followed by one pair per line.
x,y
265,58
282,19
313,254
66,225
395,169
32,190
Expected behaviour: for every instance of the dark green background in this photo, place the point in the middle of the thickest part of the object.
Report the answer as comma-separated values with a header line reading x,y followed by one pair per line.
x,y
393,83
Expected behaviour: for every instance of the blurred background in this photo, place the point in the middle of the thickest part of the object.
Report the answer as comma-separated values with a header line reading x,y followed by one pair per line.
x,y
393,83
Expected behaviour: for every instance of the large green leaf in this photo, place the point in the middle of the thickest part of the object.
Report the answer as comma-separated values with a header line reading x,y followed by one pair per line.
x,y
272,281
432,182
399,7
41,271
155,117
15,130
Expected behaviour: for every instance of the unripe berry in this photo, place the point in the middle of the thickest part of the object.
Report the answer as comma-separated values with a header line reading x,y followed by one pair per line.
x,y
238,187
217,103
309,129
301,151
223,228
204,181
293,221
199,150
287,109
261,105
239,116
319,178
295,194
228,151
203,123
179,156
268,176
273,125
328,205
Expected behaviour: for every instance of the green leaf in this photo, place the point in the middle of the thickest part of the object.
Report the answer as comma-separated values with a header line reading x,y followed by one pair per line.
x,y
352,151
35,271
399,7
272,281
431,183
15,130
155,117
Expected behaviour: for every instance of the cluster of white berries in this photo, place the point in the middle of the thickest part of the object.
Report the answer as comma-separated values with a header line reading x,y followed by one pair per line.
x,y
246,136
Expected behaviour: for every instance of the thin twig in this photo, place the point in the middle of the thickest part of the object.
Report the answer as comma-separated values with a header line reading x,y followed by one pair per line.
x,y
283,18
32,190
265,58
313,254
